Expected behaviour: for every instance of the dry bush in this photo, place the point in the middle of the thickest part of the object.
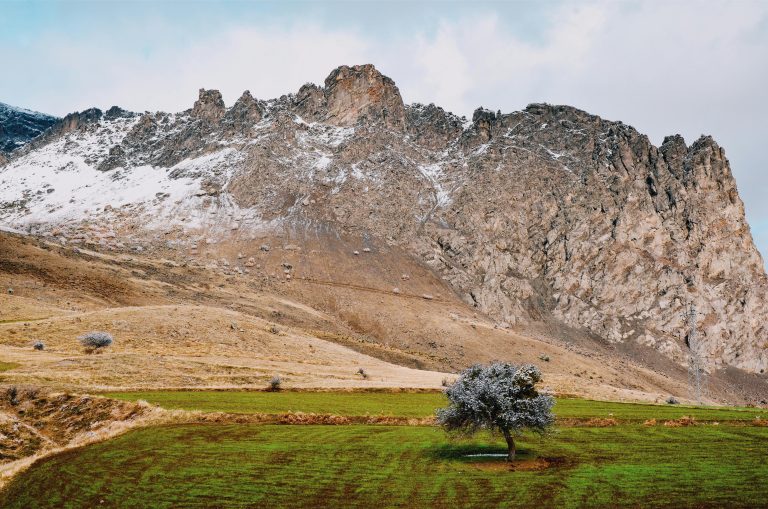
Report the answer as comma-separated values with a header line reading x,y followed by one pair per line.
x,y
302,418
650,422
601,422
682,421
12,394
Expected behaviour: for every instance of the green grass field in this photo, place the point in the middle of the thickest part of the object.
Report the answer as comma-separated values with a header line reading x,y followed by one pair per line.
x,y
196,466
405,404
5,366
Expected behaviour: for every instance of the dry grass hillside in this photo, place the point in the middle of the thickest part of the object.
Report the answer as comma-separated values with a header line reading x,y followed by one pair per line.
x,y
312,309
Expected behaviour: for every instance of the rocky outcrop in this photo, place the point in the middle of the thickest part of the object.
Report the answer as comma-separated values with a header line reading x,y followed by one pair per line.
x,y
432,126
246,112
209,106
77,120
362,92
546,215
116,112
310,103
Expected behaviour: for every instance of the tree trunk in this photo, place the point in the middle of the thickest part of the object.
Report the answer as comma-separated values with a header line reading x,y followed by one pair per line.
x,y
510,445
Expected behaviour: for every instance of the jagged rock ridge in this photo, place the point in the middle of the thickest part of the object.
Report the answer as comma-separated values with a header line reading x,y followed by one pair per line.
x,y
546,214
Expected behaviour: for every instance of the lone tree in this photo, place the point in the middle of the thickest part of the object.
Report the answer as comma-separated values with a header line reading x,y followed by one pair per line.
x,y
95,340
498,397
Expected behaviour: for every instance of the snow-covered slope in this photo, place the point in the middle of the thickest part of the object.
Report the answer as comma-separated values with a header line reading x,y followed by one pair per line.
x,y
18,126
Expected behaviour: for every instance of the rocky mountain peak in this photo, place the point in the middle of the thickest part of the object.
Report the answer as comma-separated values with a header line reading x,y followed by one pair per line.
x,y
209,106
549,214
310,102
77,120
117,112
362,92
484,120
246,110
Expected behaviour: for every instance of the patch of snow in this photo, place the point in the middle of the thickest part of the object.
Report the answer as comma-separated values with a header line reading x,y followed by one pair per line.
x,y
433,173
356,172
319,134
323,162
59,184
553,155
10,230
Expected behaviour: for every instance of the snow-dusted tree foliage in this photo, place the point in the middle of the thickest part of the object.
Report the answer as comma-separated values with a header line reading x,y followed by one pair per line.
x,y
276,383
498,397
96,339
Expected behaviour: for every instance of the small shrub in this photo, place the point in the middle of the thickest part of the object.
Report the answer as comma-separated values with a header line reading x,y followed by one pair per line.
x,y
38,345
672,401
275,384
95,340
544,358
13,395
362,373
272,329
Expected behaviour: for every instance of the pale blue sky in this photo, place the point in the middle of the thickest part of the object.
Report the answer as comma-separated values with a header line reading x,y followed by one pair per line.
x,y
688,67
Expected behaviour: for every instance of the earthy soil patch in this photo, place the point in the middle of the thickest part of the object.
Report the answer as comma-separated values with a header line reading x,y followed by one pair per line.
x,y
521,465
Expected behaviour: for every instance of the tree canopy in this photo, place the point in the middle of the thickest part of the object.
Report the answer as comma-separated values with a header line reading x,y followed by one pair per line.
x,y
497,397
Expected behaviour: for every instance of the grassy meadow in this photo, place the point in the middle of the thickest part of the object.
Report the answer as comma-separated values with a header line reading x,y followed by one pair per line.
x,y
409,404
629,464
197,466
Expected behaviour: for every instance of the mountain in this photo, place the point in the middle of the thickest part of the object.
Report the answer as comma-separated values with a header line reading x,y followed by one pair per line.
x,y
548,219
18,126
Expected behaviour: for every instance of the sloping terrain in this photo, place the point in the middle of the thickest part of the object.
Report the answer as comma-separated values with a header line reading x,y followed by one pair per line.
x,y
31,422
182,326
170,345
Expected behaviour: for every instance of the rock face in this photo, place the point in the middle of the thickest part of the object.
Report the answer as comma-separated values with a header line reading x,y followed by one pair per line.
x,y
18,126
246,112
209,106
354,93
549,214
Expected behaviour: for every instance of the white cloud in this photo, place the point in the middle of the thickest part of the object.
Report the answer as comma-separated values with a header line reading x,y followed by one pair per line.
x,y
268,62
